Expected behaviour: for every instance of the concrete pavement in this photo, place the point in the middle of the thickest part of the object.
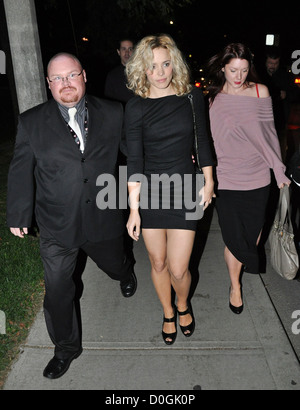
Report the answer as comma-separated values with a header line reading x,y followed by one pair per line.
x,y
124,350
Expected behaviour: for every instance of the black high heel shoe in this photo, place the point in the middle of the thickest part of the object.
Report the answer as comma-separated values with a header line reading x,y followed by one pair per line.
x,y
171,336
191,327
236,309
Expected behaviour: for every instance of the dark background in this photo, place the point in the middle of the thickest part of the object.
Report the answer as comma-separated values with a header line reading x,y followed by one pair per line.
x,y
200,29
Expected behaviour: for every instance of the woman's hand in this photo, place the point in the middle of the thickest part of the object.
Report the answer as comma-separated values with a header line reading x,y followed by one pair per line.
x,y
207,192
134,221
134,225
284,184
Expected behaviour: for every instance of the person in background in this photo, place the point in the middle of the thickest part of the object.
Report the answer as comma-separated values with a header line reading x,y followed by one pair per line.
x,y
116,90
282,91
115,85
247,147
62,146
159,131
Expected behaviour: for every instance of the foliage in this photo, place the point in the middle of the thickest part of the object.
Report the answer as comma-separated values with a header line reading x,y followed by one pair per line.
x,y
141,9
104,22
21,278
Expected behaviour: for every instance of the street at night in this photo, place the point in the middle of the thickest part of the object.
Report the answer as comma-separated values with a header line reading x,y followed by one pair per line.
x,y
123,350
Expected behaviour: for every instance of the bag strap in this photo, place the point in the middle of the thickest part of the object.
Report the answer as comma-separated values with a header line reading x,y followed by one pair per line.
x,y
190,96
284,205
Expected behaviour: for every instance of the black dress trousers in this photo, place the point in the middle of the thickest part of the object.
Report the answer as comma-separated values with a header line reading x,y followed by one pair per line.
x,y
59,303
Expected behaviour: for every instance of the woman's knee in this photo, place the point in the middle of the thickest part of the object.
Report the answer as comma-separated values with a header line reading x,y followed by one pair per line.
x,y
158,264
178,272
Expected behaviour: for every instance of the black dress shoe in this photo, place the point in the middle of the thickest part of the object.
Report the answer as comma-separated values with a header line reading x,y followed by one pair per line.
x,y
128,288
58,367
236,309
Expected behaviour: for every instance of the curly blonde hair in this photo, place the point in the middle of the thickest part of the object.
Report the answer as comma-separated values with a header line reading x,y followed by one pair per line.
x,y
142,60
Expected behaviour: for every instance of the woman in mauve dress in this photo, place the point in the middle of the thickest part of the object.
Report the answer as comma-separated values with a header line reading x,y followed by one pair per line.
x,y
247,147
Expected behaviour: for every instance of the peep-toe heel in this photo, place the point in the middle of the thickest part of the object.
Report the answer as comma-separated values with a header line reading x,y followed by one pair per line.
x,y
189,329
171,336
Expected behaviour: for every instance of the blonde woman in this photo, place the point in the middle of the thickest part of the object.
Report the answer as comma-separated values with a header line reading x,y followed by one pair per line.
x,y
160,135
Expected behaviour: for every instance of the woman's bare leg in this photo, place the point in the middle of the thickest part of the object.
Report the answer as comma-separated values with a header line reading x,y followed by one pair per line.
x,y
179,250
156,244
169,253
234,268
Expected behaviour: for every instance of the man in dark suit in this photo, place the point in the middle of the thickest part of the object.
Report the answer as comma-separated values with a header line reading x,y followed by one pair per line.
x,y
115,84
56,163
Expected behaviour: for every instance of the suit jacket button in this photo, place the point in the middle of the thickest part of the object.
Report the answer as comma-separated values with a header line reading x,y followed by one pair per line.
x,y
85,180
88,201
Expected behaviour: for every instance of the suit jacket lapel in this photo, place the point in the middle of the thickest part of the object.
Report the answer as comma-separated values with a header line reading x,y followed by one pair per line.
x,y
95,123
56,123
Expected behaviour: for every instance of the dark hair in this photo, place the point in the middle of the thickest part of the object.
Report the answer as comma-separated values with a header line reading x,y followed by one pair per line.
x,y
216,63
273,52
124,39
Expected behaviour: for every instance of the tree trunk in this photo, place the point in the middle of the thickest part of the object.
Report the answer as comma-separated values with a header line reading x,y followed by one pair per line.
x,y
26,53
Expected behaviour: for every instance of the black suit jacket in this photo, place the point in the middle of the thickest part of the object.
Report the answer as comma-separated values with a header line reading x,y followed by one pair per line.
x,y
49,171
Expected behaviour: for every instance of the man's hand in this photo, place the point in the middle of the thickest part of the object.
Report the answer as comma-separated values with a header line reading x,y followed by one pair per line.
x,y
20,232
283,95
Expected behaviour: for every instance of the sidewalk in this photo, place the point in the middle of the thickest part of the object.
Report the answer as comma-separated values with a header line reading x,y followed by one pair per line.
x,y
124,350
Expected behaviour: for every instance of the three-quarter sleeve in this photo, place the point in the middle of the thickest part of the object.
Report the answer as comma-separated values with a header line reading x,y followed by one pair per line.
x,y
246,142
204,143
134,138
263,138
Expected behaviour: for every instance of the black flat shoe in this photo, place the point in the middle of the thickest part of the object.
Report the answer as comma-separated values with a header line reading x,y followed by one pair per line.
x,y
171,336
58,367
128,288
236,309
191,327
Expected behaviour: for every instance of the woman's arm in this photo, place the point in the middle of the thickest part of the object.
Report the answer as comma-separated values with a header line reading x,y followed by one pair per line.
x,y
134,221
203,140
204,150
208,189
135,163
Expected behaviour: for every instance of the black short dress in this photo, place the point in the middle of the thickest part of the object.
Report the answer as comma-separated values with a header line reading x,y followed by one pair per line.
x,y
160,139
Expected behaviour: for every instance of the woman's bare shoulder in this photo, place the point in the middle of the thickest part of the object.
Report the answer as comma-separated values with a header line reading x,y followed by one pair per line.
x,y
263,91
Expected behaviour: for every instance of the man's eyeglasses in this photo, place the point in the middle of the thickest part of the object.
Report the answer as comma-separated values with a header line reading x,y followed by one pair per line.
x,y
70,77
